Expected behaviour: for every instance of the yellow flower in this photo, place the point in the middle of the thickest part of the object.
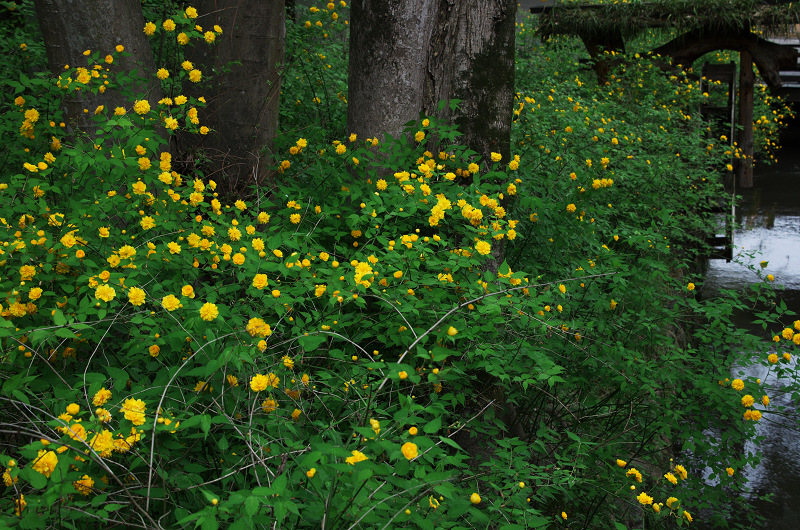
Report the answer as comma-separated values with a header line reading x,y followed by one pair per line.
x,y
496,157
170,302
773,358
46,462
687,515
149,29
141,106
571,208
671,501
260,281
209,36
84,485
191,12
681,471
403,374
770,278
105,293
730,471
195,76
621,463
257,327
475,498
168,25
134,410
409,450
101,397
358,456
634,473
136,296
269,405
747,400
644,499
671,478
451,331
737,384
483,248
311,472
209,311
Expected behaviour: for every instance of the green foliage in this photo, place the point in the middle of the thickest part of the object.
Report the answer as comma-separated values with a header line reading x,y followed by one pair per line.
x,y
632,17
314,81
391,338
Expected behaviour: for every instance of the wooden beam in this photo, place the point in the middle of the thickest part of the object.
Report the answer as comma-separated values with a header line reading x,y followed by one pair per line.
x,y
771,58
744,169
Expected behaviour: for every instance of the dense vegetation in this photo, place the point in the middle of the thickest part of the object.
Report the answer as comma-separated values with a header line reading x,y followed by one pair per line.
x,y
395,334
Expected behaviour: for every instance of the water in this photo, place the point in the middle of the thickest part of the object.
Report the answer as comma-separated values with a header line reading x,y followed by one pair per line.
x,y
770,218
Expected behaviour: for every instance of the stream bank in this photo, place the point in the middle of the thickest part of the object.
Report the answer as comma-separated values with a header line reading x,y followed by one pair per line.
x,y
768,217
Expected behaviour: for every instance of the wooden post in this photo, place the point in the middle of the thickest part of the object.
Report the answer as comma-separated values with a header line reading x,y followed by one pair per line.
x,y
744,170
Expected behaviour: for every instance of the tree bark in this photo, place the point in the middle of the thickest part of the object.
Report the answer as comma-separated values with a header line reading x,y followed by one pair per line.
x,y
243,99
408,55
69,27
471,58
389,41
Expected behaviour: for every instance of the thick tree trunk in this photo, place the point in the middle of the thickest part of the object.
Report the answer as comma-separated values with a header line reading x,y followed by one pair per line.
x,y
70,27
243,98
408,55
389,41
471,58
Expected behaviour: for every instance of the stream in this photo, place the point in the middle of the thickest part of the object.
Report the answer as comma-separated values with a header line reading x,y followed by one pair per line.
x,y
769,216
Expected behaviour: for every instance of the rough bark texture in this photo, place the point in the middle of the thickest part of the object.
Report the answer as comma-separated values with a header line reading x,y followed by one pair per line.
x,y
408,55
389,40
243,101
70,27
471,58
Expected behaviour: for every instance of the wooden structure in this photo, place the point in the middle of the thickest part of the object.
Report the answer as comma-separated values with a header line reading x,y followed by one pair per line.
x,y
722,121
604,27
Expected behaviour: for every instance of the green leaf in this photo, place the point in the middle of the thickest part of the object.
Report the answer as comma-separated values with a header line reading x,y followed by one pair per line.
x,y
432,426
311,342
59,319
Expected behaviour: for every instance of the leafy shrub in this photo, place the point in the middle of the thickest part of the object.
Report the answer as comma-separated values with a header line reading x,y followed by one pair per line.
x,y
393,337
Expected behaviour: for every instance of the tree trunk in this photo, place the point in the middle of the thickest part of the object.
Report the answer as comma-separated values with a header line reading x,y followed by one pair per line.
x,y
471,58
408,55
243,98
69,27
389,41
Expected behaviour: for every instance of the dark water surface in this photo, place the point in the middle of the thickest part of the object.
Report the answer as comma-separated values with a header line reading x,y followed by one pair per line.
x,y
769,215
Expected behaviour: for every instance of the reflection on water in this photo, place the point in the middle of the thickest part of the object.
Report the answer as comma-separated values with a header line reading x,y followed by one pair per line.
x,y
769,215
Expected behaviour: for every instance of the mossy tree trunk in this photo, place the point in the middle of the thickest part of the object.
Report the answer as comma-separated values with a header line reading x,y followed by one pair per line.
x,y
244,94
69,27
408,55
